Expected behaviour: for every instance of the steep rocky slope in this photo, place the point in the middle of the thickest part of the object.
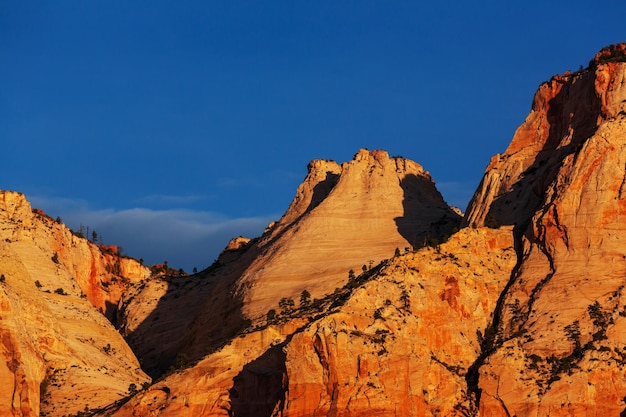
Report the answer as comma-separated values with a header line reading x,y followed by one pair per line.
x,y
397,341
344,217
560,339
58,353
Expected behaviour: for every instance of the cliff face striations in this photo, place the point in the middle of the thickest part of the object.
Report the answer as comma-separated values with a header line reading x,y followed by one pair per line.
x,y
58,353
398,341
559,348
527,319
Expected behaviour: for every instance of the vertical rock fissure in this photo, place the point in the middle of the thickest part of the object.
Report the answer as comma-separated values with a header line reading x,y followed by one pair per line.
x,y
489,342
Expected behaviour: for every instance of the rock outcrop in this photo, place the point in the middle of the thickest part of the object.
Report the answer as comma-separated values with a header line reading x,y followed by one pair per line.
x,y
58,353
344,218
559,348
398,341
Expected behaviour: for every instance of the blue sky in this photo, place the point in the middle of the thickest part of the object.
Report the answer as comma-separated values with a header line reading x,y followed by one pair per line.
x,y
170,127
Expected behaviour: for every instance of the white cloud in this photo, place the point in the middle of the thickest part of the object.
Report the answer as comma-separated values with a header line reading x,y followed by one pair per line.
x,y
185,238
172,199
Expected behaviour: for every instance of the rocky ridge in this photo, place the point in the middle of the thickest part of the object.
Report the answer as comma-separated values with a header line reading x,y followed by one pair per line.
x,y
544,335
343,218
398,341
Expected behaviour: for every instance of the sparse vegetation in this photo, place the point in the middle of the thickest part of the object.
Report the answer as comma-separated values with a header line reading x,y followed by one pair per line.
x,y
55,258
491,222
601,320
405,299
286,304
611,53
60,291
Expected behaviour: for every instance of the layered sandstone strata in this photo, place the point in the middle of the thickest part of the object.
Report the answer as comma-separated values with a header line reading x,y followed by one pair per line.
x,y
399,342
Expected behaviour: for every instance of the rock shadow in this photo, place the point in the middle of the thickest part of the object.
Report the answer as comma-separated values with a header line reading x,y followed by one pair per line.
x,y
259,389
565,117
322,189
426,217
197,314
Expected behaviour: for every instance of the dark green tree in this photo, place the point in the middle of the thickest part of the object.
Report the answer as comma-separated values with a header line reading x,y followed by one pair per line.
x,y
271,315
305,298
490,221
286,304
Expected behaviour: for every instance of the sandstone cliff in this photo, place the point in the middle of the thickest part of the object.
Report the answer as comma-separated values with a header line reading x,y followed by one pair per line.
x,y
559,348
58,353
344,217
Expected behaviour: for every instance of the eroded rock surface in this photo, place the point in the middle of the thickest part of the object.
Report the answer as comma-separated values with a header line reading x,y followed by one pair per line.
x,y
559,348
398,343
344,217
58,353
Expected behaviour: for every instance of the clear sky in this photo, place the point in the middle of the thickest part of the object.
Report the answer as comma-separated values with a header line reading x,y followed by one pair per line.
x,y
170,127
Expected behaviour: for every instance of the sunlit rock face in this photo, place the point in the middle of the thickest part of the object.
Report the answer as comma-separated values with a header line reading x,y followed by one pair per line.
x,y
560,343
344,217
58,352
402,344
399,342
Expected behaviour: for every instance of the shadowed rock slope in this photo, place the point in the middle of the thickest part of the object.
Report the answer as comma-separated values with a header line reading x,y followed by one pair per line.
x,y
58,353
343,217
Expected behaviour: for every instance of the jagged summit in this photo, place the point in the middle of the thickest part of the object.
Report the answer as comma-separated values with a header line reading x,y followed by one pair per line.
x,y
561,184
345,216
